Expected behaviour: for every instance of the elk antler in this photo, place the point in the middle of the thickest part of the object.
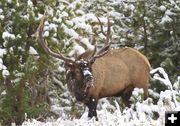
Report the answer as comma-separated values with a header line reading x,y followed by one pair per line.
x,y
45,47
106,47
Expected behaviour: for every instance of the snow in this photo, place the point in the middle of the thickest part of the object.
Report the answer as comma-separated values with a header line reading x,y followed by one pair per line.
x,y
90,17
140,112
79,23
165,80
74,4
86,72
87,43
177,83
169,13
46,34
9,1
57,110
1,17
2,52
162,8
167,16
70,32
5,73
29,3
17,3
58,20
49,11
1,61
32,51
7,35
65,14
1,10
77,50
3,68
50,26
106,118
3,93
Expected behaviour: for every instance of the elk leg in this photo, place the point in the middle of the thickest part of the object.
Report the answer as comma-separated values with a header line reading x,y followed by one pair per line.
x,y
126,95
145,89
92,104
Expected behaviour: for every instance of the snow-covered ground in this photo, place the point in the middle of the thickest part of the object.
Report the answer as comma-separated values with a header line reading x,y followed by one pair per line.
x,y
140,113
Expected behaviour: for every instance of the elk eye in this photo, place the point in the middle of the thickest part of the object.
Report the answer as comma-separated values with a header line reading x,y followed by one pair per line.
x,y
85,64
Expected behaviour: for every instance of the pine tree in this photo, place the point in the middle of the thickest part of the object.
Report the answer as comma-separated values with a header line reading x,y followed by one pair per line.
x,y
153,27
22,68
28,73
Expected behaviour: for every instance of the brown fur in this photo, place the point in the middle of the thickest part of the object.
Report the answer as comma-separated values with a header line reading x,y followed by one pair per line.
x,y
103,74
119,71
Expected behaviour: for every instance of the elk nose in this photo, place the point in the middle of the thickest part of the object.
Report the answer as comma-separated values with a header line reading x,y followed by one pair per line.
x,y
87,74
89,78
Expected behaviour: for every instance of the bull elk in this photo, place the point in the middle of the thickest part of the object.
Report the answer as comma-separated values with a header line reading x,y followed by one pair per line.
x,y
103,73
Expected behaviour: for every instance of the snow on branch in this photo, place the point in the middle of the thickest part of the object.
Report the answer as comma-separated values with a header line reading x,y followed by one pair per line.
x,y
165,80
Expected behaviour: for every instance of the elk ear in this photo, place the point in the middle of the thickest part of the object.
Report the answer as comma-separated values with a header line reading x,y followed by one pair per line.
x,y
92,61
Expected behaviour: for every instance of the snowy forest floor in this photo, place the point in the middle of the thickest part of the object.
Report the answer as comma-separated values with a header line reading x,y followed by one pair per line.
x,y
141,112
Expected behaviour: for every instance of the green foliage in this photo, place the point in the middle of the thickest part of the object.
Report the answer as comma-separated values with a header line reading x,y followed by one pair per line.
x,y
152,26
16,104
25,69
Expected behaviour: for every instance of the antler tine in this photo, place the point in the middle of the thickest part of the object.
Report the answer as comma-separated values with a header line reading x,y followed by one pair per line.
x,y
107,44
45,47
94,51
105,48
102,52
108,32
101,26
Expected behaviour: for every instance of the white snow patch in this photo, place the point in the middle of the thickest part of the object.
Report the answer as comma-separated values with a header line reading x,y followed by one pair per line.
x,y
29,3
4,92
7,35
169,13
32,51
166,19
5,73
77,50
162,8
46,34
177,84
2,52
1,17
140,113
9,1
1,10
87,43
70,32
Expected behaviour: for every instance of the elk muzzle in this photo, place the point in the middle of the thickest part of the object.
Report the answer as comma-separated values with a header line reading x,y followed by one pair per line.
x,y
88,79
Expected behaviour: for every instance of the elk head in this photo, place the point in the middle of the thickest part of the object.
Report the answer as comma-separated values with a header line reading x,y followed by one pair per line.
x,y
79,74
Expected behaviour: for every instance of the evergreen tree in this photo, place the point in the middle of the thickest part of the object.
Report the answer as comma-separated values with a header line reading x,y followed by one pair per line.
x,y
22,67
28,73
153,27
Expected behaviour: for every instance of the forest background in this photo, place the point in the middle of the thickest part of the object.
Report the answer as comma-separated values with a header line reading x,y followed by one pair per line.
x,y
32,82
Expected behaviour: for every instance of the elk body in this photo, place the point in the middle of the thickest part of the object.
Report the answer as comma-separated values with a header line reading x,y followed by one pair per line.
x,y
115,74
104,73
